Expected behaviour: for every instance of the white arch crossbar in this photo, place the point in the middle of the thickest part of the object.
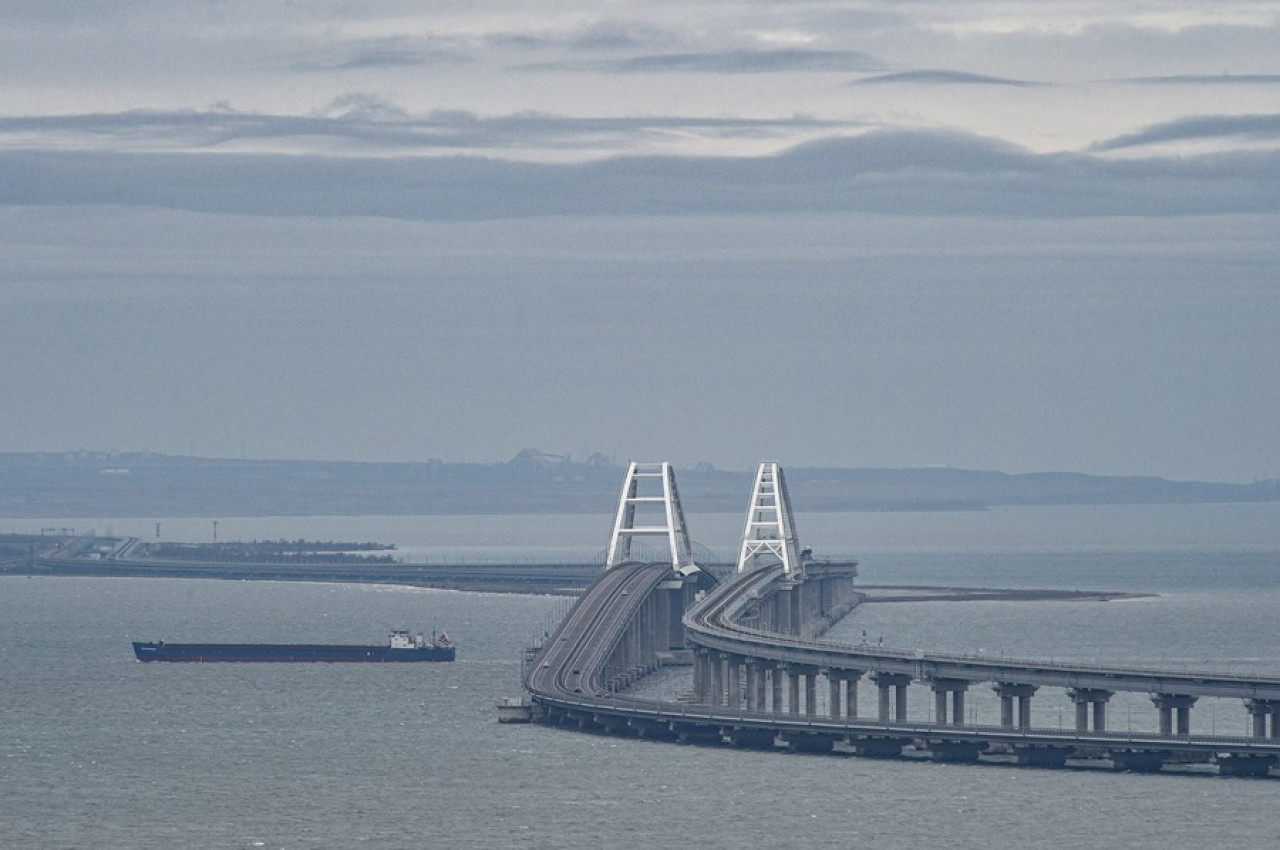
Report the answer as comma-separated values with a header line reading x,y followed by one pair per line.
x,y
770,536
649,493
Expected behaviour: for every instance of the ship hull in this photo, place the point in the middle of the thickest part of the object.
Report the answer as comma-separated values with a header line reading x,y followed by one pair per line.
x,y
296,653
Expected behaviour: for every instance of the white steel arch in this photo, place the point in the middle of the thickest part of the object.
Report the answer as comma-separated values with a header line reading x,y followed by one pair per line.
x,y
649,496
770,535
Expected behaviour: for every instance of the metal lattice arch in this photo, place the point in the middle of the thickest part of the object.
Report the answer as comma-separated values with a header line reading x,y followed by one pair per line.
x,y
649,507
770,536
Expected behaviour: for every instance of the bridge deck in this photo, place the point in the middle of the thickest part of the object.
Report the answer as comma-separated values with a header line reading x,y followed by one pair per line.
x,y
713,623
566,679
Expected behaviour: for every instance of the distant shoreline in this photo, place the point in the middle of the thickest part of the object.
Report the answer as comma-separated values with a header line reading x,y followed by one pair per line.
x,y
923,593
545,579
110,485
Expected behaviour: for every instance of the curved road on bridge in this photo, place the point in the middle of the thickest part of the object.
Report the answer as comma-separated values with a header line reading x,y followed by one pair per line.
x,y
714,622
571,663
566,681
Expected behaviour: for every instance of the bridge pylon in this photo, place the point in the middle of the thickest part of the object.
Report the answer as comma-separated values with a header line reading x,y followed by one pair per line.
x,y
649,506
770,534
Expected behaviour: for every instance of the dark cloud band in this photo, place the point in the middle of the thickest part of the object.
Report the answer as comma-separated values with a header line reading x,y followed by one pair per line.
x,y
907,173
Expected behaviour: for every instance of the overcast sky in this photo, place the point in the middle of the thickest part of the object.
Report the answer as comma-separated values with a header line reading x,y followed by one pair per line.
x,y
994,235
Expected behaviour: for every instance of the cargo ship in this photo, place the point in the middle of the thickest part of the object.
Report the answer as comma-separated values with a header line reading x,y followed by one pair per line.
x,y
402,647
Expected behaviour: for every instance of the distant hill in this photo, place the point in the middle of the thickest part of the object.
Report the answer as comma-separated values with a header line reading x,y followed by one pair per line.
x,y
84,484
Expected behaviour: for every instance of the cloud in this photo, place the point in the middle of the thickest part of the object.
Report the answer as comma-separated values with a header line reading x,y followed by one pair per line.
x,y
888,172
1246,127
723,62
942,76
382,53
1209,79
604,35
374,124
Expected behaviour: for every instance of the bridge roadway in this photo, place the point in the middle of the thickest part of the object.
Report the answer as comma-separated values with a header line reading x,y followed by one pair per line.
x,y
572,662
566,684
715,625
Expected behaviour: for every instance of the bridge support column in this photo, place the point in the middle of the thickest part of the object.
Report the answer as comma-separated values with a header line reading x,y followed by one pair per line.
x,y
793,690
956,689
734,681
1259,710
898,683
753,690
843,689
757,674
1008,692
851,679
777,678
672,607
1084,698
1168,704
717,679
811,691
784,608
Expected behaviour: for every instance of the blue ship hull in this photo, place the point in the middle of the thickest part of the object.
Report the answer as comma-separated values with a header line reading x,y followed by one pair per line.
x,y
286,652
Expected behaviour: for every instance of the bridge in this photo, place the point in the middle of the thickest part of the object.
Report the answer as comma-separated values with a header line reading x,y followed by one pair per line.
x,y
765,678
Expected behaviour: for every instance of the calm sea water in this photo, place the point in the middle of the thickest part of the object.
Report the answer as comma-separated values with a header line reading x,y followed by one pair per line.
x,y
97,750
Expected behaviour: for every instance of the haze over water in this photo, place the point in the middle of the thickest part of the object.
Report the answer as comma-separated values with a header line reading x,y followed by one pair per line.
x,y
100,751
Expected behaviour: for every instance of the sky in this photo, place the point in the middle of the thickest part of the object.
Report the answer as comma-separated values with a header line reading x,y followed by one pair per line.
x,y
986,235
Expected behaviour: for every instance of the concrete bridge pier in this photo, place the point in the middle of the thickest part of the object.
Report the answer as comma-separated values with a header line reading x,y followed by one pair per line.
x,y
792,675
676,598
786,608
835,693
956,688
734,664
802,687
851,679
813,606
1170,703
1008,692
717,679
1260,710
757,673
777,681
1084,698
703,683
898,683
843,688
